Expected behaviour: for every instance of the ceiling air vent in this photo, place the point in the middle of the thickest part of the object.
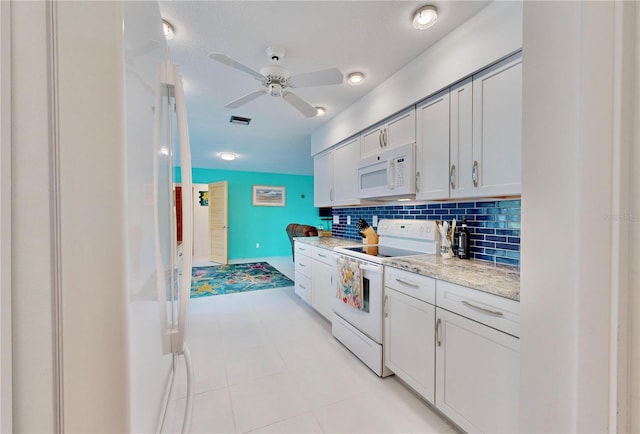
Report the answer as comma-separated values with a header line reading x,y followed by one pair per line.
x,y
239,120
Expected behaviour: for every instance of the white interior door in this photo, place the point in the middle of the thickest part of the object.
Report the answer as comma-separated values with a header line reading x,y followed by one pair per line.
x,y
201,242
218,221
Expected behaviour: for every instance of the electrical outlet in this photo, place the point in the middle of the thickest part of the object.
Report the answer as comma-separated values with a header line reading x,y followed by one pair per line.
x,y
375,221
348,219
257,245
336,219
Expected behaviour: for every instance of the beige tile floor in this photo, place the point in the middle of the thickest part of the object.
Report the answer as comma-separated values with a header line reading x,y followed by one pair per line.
x,y
266,362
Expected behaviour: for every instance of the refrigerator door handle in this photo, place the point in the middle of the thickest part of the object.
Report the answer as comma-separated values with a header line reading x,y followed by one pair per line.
x,y
187,209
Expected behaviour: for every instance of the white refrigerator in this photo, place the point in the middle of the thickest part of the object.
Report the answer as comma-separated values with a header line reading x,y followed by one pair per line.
x,y
159,268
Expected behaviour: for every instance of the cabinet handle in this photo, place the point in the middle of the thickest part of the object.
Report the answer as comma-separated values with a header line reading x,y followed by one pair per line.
x,y
418,182
386,302
321,255
380,140
438,323
384,137
409,284
331,194
302,286
302,265
482,309
474,173
452,174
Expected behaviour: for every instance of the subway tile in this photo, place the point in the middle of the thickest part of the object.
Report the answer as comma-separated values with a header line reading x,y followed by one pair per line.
x,y
507,246
514,240
497,239
507,261
508,203
488,258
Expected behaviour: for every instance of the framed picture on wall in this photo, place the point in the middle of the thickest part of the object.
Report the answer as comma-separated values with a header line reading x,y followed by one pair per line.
x,y
265,195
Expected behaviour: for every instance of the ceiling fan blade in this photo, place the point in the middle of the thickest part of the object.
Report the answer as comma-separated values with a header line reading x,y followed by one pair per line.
x,y
317,78
245,99
226,60
299,104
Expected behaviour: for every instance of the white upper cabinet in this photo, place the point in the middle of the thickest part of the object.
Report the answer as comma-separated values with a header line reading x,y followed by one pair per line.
x,y
432,162
497,128
469,136
461,146
323,179
335,175
397,131
345,173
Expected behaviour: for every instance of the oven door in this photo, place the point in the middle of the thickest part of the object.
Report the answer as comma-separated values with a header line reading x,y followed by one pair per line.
x,y
368,318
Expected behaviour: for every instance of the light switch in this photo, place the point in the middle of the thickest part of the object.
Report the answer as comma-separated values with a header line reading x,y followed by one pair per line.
x,y
348,219
336,219
375,221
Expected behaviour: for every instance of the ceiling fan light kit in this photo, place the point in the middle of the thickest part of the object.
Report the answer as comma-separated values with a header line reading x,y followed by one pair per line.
x,y
276,80
425,17
320,111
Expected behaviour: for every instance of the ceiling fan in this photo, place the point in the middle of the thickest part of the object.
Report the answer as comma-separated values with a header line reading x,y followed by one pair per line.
x,y
276,80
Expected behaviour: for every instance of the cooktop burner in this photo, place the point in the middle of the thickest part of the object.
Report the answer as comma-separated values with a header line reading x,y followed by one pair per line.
x,y
382,251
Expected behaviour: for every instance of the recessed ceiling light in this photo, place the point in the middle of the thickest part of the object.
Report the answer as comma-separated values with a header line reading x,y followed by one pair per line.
x,y
228,156
168,30
355,78
320,111
425,17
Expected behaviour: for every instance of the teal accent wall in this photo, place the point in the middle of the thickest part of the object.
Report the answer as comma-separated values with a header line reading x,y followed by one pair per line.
x,y
266,225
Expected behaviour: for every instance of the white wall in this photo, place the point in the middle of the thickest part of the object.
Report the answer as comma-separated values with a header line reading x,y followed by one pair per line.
x,y
493,33
5,219
568,280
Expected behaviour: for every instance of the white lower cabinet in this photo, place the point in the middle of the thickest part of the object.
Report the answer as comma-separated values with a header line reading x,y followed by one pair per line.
x,y
323,286
477,371
409,341
315,281
455,346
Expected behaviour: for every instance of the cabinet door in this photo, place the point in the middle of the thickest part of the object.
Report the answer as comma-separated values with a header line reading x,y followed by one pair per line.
x,y
345,173
303,287
461,140
400,130
477,374
323,289
323,179
432,165
372,141
497,128
409,341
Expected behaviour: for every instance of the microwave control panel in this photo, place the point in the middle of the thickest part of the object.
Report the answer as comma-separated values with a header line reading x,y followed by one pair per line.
x,y
400,172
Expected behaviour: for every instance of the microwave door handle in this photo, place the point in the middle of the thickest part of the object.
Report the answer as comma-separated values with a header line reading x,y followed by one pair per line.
x,y
391,174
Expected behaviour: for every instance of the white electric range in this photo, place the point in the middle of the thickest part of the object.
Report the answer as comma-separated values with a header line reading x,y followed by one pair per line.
x,y
358,313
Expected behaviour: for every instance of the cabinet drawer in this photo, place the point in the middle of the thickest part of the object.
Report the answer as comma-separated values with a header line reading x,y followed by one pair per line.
x,y
303,287
324,255
412,284
303,264
492,310
303,249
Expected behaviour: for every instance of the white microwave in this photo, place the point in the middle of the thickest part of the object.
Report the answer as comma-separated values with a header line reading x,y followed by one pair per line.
x,y
390,174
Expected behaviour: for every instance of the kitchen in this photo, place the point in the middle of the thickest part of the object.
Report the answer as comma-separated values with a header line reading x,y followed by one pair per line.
x,y
571,298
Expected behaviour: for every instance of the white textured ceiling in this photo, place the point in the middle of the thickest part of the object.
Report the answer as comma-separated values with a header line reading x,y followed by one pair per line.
x,y
375,37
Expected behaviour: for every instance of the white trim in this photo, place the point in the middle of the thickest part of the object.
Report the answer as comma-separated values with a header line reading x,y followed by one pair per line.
x,y
6,408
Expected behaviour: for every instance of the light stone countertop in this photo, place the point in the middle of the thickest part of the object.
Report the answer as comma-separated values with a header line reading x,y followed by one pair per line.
x,y
501,280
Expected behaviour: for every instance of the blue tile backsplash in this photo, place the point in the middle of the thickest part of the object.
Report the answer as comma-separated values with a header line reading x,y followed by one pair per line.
x,y
494,226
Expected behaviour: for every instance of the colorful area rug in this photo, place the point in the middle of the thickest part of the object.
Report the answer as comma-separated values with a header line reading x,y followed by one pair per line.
x,y
233,278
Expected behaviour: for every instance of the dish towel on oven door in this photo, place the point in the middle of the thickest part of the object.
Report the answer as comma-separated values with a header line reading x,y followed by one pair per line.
x,y
349,288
